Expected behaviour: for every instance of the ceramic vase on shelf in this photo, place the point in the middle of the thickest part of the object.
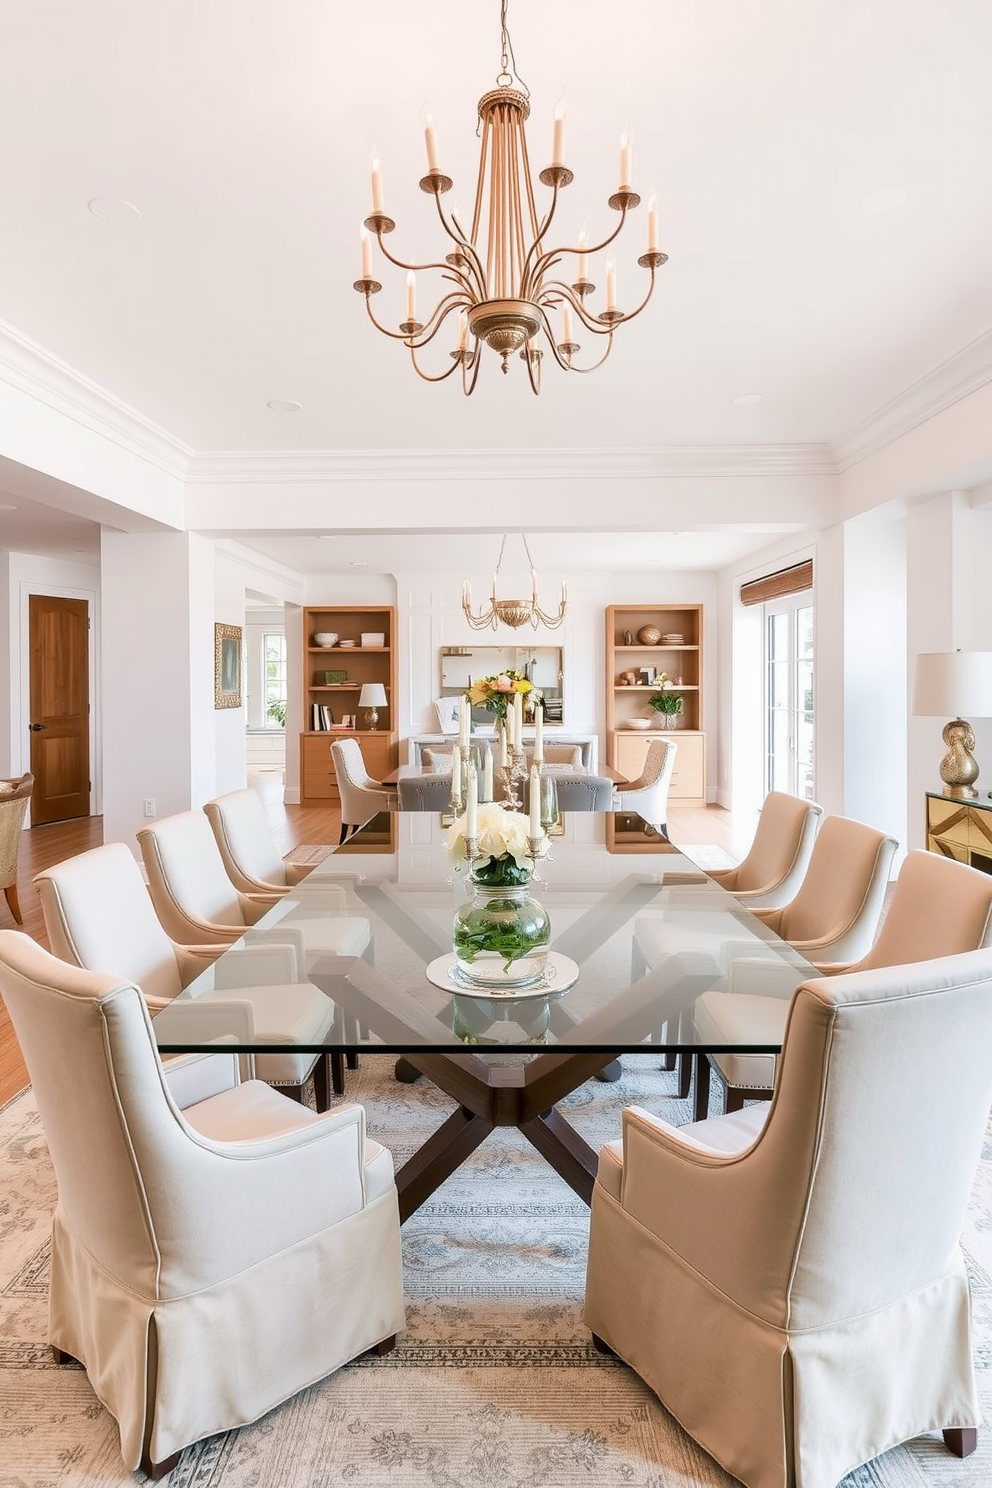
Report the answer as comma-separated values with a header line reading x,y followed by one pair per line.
x,y
501,934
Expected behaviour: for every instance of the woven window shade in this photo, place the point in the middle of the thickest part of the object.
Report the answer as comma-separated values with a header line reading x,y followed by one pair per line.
x,y
773,586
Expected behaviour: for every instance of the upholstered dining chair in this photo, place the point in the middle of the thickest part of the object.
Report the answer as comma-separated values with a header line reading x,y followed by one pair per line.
x,y
425,792
770,875
438,759
361,796
14,798
785,1279
98,915
250,856
207,1262
939,908
648,794
584,792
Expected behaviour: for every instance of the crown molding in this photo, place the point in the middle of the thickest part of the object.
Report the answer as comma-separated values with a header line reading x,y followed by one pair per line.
x,y
678,462
962,374
32,370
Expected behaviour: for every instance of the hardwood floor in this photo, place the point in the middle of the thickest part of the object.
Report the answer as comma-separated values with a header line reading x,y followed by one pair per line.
x,y
43,846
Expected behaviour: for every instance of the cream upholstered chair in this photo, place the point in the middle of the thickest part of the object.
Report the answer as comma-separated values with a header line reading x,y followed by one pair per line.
x,y
249,854
939,908
207,1262
793,1288
14,798
569,755
198,905
99,916
425,792
437,760
777,860
648,794
361,796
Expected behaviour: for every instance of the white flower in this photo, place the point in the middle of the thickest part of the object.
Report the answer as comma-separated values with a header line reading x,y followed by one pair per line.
x,y
499,831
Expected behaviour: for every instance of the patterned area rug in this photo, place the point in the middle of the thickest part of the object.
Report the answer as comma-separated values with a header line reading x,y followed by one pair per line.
x,y
493,1385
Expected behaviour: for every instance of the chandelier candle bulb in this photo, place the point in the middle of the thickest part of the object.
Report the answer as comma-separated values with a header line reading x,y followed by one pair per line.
x,y
431,141
653,223
462,331
611,284
376,183
583,255
411,296
625,141
558,136
366,252
566,318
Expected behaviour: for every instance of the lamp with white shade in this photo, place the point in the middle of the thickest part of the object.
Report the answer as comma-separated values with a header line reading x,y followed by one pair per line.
x,y
955,682
372,698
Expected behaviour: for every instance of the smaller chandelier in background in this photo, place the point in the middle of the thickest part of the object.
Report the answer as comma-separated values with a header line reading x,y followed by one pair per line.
x,y
513,612
505,292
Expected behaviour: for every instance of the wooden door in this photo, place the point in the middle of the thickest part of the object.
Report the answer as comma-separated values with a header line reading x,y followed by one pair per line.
x,y
60,691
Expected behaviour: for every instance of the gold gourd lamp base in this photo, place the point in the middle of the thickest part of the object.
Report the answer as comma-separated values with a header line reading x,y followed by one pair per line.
x,y
955,682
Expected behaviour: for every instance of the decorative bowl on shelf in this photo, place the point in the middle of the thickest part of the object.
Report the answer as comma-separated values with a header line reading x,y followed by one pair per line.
x,y
649,635
637,723
325,638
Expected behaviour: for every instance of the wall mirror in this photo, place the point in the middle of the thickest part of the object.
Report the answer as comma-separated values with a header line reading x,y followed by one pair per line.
x,y
543,665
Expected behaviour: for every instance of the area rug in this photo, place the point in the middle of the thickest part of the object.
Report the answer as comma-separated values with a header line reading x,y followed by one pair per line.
x,y
493,1385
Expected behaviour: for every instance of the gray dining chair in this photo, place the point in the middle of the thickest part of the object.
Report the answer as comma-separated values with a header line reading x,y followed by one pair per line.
x,y
584,792
425,793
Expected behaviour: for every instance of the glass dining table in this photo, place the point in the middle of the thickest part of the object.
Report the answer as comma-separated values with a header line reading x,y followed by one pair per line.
x,y
635,942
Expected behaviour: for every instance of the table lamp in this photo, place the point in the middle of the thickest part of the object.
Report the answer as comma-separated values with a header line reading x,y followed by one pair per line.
x,y
955,682
373,697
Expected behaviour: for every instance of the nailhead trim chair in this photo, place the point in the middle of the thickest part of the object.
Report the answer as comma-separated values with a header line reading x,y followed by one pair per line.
x,y
789,1280
425,792
207,1262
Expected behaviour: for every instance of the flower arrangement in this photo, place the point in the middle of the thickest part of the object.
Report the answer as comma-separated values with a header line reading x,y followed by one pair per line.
x,y
502,839
666,702
496,693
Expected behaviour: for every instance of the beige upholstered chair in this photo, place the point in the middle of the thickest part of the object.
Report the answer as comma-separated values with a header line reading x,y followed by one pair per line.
x,y
939,908
197,904
361,796
425,792
793,1288
648,794
249,854
14,798
569,755
771,873
438,759
207,1262
98,916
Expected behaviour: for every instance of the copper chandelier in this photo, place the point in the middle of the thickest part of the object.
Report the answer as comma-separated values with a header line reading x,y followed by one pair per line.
x,y
504,290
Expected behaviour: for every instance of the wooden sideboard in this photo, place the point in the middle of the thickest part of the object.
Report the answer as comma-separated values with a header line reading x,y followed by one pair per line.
x,y
960,829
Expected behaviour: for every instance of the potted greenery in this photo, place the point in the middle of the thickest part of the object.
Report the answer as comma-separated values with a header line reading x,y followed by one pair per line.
x,y
669,705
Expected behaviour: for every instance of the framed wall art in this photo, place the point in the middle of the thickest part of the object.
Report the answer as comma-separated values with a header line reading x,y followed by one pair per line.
x,y
227,666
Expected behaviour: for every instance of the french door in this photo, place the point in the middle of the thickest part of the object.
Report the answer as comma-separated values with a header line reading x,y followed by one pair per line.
x,y
789,694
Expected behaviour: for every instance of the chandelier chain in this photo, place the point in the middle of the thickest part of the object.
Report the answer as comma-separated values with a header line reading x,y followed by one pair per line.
x,y
509,73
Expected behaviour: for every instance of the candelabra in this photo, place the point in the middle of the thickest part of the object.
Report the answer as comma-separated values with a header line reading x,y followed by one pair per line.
x,y
512,776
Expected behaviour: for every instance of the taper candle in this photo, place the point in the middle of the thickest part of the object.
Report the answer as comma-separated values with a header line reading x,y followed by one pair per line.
x,y
535,802
472,803
487,775
539,734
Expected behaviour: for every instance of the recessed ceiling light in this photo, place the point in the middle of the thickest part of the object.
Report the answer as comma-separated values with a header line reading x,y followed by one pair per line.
x,y
889,200
113,209
284,405
328,536
358,563
6,506
746,399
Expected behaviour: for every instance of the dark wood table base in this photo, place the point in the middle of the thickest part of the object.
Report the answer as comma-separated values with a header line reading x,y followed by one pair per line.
x,y
492,1095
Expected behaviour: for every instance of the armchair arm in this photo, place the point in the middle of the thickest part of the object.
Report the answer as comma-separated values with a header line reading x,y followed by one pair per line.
x,y
254,906
194,959
192,1078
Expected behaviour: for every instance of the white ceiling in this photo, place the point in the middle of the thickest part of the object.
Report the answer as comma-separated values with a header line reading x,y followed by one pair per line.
x,y
824,174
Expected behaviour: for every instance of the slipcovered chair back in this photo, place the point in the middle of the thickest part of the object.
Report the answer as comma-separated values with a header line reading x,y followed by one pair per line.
x,y
779,855
584,792
768,1279
425,793
361,796
14,798
834,915
98,913
244,841
938,907
186,879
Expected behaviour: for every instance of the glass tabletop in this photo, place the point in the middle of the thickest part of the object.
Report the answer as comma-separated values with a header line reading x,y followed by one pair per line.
x,y
358,956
